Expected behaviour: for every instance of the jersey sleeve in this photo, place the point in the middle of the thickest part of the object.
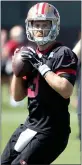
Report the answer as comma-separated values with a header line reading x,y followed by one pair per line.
x,y
65,65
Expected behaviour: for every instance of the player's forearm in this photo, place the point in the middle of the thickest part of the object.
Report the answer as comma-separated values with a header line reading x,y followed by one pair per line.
x,y
17,89
59,84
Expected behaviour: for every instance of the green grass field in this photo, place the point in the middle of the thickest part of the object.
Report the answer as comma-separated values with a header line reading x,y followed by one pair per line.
x,y
12,117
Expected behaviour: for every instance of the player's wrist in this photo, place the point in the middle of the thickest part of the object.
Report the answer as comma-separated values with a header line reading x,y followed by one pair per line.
x,y
43,69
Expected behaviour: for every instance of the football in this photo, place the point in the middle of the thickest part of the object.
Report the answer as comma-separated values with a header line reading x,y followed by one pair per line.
x,y
20,68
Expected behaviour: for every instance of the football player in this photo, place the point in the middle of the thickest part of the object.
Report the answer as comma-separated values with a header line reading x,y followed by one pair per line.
x,y
45,133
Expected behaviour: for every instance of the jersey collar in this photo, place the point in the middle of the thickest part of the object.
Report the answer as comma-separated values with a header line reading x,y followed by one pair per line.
x,y
54,45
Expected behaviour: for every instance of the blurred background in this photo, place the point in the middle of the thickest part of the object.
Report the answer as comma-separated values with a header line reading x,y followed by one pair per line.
x,y
13,15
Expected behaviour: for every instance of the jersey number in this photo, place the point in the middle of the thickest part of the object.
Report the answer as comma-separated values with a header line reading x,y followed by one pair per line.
x,y
33,90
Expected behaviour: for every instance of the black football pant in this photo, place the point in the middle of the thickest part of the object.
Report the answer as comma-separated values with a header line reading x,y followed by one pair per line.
x,y
42,149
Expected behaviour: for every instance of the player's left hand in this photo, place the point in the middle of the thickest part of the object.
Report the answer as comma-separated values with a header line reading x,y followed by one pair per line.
x,y
37,62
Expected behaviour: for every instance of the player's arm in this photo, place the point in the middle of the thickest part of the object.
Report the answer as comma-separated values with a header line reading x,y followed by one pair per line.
x,y
18,91
63,78
59,84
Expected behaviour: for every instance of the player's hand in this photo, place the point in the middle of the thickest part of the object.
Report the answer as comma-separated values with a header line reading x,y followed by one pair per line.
x,y
37,62
30,55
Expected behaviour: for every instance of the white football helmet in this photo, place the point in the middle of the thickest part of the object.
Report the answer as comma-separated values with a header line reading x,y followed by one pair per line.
x,y
41,12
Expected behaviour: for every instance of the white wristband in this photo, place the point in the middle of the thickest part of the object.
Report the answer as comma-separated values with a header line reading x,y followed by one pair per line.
x,y
43,69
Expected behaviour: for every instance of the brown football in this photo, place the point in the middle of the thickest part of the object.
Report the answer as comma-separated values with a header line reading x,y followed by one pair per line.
x,y
20,68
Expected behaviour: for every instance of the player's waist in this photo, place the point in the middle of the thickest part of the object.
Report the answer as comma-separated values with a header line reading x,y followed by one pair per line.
x,y
48,128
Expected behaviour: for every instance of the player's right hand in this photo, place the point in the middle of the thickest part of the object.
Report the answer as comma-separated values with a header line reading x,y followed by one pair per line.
x,y
37,62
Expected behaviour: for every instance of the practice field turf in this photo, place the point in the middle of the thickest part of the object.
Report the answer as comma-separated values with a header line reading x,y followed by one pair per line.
x,y
12,117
